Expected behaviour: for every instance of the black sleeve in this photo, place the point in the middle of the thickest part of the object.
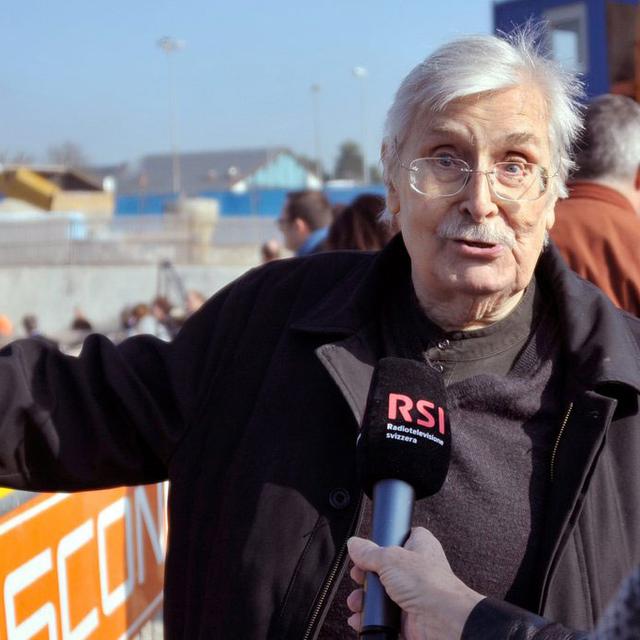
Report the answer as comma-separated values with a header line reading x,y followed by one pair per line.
x,y
497,620
111,416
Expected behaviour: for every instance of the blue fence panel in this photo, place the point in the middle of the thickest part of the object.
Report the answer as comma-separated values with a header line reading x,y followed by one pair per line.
x,y
139,205
258,202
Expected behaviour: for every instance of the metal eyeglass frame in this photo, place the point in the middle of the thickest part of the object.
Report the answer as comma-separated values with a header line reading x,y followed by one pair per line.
x,y
468,171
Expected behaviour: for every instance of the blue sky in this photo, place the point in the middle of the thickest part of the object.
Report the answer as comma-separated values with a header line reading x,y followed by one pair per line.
x,y
91,72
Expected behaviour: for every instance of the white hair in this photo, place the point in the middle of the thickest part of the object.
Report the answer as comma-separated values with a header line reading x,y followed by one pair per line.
x,y
479,64
610,146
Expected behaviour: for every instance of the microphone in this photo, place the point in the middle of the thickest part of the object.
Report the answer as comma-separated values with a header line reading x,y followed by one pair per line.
x,y
402,454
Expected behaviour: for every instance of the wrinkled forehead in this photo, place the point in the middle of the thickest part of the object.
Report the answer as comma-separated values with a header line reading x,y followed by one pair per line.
x,y
516,115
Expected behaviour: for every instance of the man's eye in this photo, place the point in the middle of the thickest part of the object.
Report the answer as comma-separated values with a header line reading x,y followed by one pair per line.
x,y
514,168
445,162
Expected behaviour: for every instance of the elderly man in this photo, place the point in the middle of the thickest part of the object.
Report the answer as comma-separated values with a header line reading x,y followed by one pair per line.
x,y
252,412
598,227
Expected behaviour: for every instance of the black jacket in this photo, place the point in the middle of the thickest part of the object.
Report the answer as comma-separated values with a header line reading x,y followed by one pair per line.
x,y
497,620
252,414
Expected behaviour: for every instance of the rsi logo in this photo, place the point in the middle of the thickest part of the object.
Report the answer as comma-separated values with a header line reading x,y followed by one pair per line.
x,y
399,403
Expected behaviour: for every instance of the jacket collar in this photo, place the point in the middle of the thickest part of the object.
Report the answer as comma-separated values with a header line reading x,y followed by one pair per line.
x,y
313,242
597,339
354,302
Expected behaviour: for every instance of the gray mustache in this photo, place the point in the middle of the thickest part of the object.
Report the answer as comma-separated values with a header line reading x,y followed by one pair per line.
x,y
454,229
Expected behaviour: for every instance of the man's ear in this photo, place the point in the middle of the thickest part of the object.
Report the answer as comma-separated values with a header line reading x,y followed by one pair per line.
x,y
550,216
393,200
301,227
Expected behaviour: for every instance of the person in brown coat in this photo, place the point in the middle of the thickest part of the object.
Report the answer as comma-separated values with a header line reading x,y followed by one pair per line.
x,y
597,228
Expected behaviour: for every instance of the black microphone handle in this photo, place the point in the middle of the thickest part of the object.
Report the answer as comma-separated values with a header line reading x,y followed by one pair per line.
x,y
393,502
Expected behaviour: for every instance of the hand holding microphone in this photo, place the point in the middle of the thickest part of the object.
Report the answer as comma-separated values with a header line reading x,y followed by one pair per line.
x,y
403,453
418,578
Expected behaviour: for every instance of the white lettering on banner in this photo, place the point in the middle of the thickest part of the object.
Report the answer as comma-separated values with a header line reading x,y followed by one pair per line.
x,y
111,600
67,547
16,581
15,522
154,530
163,511
46,595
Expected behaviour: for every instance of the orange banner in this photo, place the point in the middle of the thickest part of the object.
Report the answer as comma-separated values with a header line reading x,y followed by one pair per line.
x,y
84,565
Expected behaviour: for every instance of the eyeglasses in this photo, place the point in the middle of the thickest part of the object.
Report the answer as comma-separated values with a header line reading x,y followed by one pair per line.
x,y
445,176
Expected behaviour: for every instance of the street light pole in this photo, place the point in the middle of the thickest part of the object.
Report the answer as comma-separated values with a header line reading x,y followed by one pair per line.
x,y
361,74
170,45
315,95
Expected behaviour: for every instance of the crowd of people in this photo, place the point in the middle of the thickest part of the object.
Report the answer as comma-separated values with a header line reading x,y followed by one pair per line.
x,y
498,180
159,317
309,223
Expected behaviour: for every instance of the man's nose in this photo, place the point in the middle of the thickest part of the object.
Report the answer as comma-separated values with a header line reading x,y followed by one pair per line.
x,y
479,201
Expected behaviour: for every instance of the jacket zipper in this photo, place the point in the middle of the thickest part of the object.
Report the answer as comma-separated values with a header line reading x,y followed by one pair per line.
x,y
544,592
332,574
555,446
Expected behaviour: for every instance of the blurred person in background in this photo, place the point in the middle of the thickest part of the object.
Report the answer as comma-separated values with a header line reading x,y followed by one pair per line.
x,y
80,321
154,319
195,299
6,329
270,250
304,221
138,320
337,209
598,227
127,319
31,329
166,324
142,321
359,226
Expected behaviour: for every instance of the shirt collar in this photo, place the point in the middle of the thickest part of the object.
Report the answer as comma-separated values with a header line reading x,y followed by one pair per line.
x,y
597,191
313,241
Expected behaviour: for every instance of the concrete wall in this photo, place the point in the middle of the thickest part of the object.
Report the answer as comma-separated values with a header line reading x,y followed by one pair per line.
x,y
98,204
101,291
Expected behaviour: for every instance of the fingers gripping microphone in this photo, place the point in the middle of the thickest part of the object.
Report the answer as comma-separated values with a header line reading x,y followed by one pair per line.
x,y
403,454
